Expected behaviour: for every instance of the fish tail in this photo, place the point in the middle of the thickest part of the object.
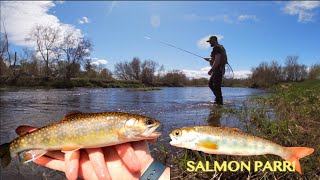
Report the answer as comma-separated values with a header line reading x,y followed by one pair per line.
x,y
5,154
295,153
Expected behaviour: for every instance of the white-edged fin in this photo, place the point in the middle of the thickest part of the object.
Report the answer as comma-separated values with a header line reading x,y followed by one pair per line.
x,y
27,156
69,149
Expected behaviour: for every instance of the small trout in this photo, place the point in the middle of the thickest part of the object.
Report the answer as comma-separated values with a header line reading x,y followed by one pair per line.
x,y
232,141
80,130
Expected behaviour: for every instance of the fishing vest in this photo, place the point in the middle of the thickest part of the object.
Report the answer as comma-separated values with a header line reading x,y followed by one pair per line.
x,y
224,58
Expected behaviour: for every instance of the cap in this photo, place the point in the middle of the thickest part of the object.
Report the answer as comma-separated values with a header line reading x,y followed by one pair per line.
x,y
213,38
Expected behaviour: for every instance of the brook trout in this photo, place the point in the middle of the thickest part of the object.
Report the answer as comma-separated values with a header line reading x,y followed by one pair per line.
x,y
80,130
232,141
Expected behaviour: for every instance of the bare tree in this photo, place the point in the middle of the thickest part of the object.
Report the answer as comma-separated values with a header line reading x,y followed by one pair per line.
x,y
294,71
148,71
105,74
46,40
175,78
136,68
122,70
74,50
314,72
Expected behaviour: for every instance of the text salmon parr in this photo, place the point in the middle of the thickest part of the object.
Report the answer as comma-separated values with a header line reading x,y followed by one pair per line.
x,y
80,130
232,141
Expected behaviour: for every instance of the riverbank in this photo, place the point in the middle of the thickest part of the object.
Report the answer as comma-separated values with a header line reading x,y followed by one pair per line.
x,y
26,82
289,117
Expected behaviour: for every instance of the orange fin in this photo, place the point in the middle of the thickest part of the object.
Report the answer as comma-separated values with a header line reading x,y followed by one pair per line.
x,y
121,135
208,145
295,153
70,114
27,156
24,129
69,149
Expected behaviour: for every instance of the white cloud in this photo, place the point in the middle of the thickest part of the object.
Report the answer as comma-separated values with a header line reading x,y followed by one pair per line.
x,y
155,21
84,20
97,61
304,9
242,74
226,18
203,73
20,17
223,17
246,17
203,44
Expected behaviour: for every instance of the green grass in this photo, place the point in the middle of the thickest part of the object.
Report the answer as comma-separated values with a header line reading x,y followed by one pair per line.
x,y
290,117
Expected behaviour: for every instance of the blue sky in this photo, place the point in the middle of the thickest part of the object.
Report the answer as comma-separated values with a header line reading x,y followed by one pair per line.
x,y
251,31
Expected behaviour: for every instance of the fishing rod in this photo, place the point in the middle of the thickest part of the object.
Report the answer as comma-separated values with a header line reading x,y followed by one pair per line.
x,y
177,48
228,72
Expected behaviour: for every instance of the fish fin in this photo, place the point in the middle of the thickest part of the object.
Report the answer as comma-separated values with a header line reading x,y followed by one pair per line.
x,y
5,154
24,129
208,145
27,156
72,113
70,148
121,134
295,153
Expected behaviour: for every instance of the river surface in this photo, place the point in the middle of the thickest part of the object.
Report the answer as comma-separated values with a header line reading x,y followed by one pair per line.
x,y
173,107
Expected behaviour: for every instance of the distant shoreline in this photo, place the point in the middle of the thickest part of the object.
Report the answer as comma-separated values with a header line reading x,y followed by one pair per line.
x,y
87,83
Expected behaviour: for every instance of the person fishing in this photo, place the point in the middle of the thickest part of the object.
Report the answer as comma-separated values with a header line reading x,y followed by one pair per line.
x,y
217,62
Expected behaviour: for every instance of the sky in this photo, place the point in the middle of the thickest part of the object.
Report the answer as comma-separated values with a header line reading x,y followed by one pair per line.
x,y
251,32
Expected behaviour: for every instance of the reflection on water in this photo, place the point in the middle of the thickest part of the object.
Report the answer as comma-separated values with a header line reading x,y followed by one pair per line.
x,y
214,117
173,107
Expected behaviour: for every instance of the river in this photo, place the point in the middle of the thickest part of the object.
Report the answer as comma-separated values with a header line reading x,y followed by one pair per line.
x,y
173,107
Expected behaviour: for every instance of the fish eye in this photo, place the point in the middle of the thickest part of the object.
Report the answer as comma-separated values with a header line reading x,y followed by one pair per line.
x,y
177,133
149,122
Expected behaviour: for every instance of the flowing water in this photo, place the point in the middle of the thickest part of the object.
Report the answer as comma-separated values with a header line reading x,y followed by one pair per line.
x,y
173,107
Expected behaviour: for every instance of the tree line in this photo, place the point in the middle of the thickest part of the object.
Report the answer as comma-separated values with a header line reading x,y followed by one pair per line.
x,y
269,74
66,55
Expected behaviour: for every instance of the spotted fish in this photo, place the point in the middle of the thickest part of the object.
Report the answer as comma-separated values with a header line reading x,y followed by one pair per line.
x,y
80,130
232,141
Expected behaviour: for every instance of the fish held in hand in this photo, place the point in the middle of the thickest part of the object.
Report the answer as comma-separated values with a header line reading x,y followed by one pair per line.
x,y
232,141
80,130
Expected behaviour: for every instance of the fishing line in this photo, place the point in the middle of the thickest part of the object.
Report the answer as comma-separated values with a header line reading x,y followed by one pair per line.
x,y
228,69
176,47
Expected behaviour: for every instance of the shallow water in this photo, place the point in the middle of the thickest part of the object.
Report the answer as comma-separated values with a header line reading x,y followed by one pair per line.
x,y
173,107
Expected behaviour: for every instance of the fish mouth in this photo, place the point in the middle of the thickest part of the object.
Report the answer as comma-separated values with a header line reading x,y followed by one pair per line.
x,y
150,132
173,140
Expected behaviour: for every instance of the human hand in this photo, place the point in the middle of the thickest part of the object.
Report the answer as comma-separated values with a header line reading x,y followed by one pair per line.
x,y
210,72
128,159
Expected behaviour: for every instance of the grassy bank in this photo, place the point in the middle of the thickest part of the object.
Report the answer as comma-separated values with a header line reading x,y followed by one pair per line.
x,y
289,117
76,82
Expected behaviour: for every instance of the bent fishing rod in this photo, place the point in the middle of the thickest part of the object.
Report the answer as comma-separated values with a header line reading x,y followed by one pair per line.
x,y
229,68
177,48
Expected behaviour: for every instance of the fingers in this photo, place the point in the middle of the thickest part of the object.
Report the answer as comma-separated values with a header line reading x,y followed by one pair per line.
x,y
86,170
50,163
55,155
128,156
117,165
98,163
72,164
142,151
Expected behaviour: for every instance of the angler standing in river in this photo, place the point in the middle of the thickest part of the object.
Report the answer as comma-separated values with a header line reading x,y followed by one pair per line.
x,y
217,61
